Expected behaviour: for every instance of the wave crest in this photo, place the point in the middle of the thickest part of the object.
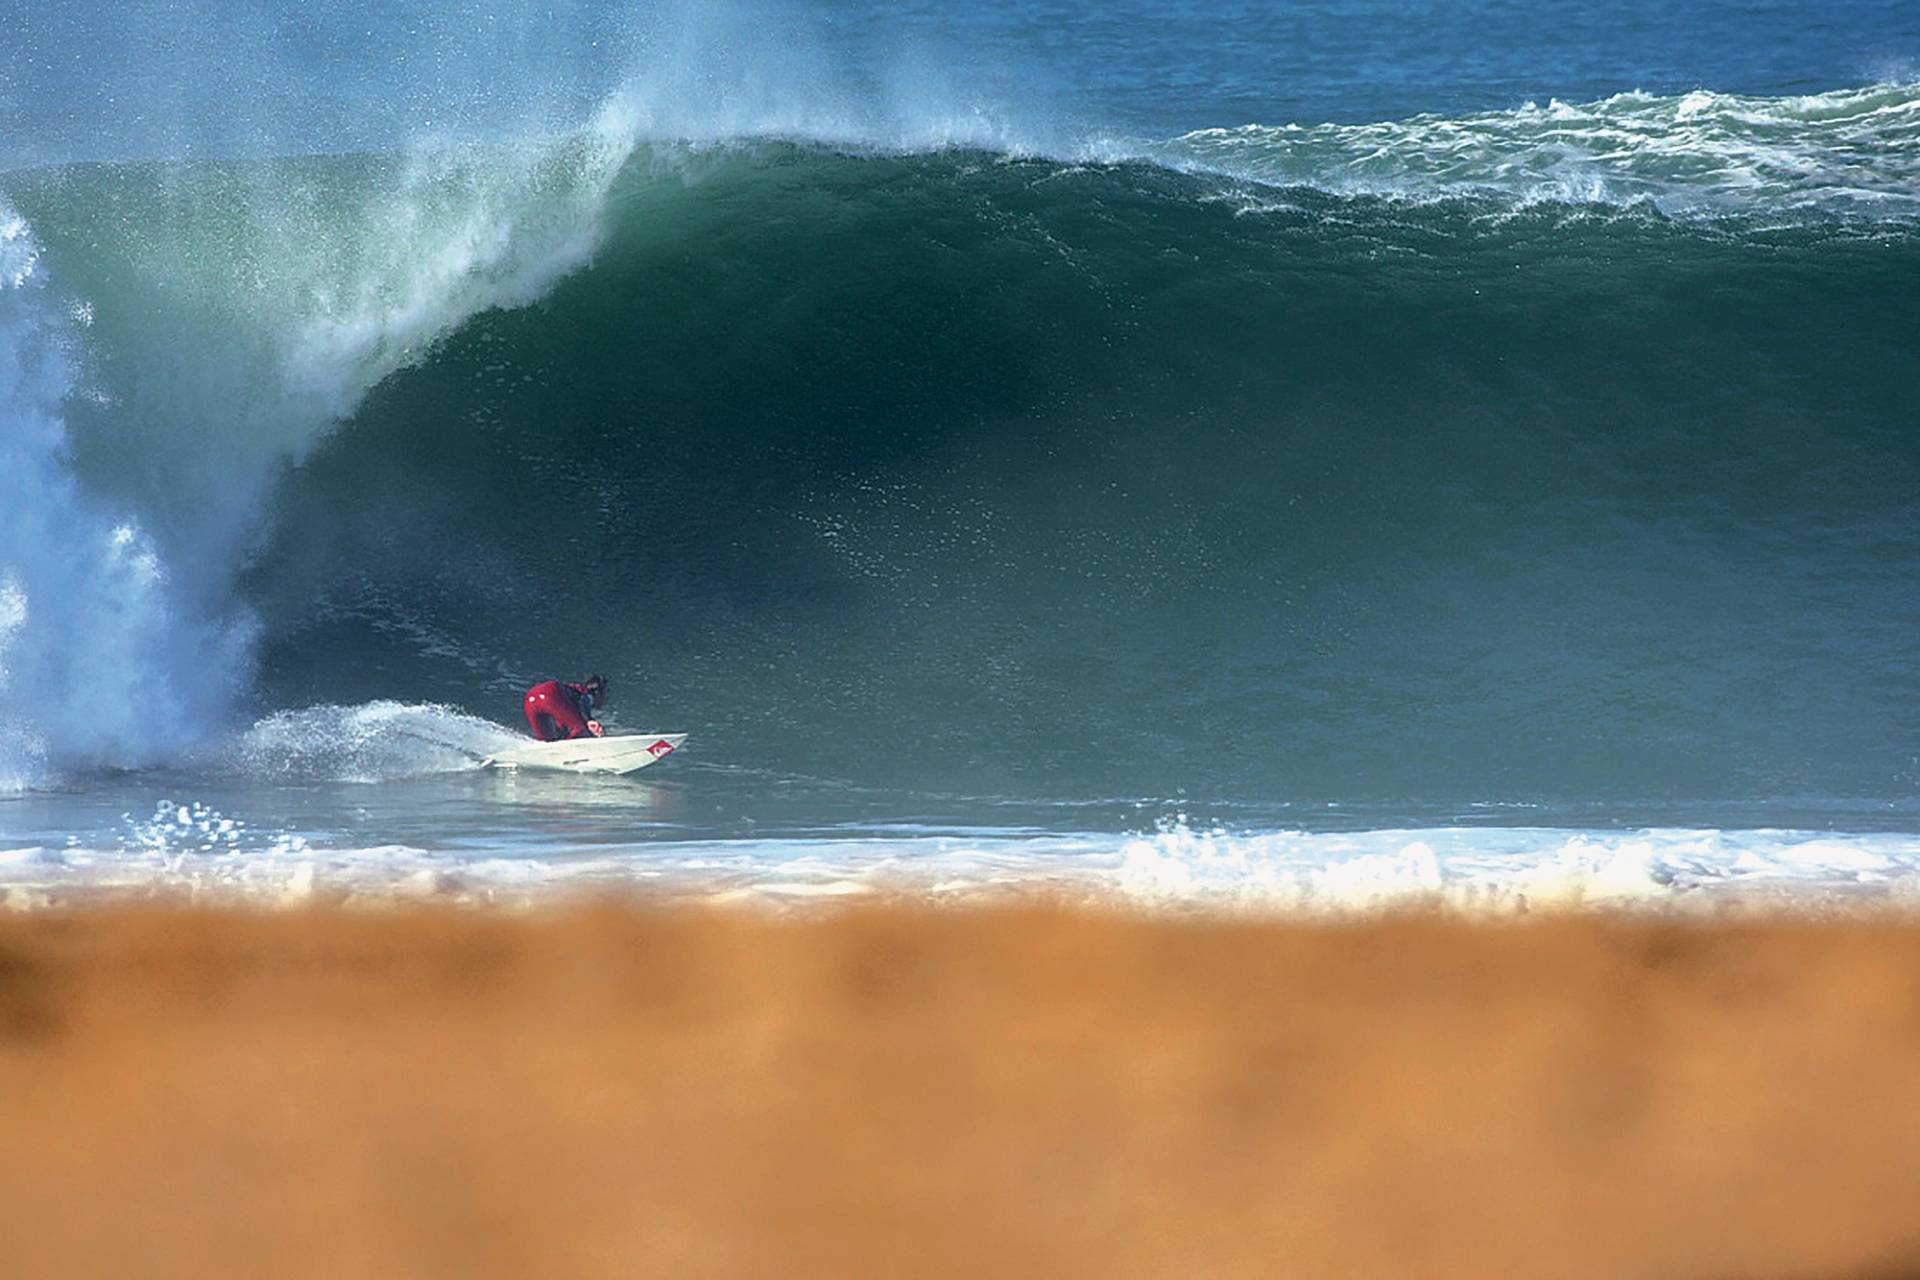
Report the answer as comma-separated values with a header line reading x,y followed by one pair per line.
x,y
1846,152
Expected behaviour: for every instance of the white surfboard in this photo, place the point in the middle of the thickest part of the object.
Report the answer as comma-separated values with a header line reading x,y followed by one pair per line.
x,y
621,753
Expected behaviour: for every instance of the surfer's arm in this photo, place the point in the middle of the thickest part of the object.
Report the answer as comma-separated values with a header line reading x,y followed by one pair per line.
x,y
566,713
586,714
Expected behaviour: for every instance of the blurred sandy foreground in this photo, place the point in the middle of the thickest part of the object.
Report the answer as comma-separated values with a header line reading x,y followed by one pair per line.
x,y
892,1092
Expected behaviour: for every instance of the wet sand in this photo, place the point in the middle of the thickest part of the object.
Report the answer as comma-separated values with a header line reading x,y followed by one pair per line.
x,y
609,1092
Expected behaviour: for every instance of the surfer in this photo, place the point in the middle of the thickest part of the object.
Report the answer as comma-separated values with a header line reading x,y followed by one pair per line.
x,y
561,709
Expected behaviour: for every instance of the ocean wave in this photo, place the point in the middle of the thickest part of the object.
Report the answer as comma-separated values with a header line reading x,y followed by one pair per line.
x,y
1086,473
245,311
1295,488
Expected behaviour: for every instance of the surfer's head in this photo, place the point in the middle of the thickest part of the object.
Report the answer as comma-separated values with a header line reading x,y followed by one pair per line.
x,y
595,687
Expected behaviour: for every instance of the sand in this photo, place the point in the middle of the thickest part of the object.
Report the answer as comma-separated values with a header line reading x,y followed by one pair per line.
x,y
622,1092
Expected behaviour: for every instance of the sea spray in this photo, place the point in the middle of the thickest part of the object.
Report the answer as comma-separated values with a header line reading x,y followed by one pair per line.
x,y
372,742
98,664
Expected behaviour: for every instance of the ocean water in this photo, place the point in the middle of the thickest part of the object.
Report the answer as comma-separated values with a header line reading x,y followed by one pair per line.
x,y
1296,457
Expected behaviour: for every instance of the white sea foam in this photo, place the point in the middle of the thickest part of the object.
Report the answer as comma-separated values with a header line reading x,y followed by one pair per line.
x,y
371,742
1508,870
186,849
1853,151
86,600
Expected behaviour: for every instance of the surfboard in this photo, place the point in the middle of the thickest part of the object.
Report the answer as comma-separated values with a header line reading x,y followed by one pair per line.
x,y
621,753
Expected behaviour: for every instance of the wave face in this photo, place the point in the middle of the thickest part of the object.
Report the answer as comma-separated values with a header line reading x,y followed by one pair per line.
x,y
1564,455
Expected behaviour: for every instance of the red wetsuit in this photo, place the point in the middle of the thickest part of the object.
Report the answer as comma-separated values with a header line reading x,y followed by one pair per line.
x,y
556,710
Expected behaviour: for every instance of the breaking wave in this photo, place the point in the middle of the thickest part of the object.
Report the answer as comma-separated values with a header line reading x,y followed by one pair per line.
x,y
1564,451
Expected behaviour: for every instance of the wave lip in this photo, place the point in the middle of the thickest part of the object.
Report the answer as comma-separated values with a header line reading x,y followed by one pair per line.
x,y
248,309
1847,152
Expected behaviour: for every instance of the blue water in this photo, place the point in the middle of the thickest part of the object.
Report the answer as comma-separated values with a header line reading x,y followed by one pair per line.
x,y
1311,455
90,80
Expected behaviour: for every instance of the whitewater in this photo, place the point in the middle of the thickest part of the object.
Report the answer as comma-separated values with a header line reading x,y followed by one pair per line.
x,y
1501,504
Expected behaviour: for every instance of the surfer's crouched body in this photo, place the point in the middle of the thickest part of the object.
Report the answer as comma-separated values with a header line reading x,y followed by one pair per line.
x,y
560,709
